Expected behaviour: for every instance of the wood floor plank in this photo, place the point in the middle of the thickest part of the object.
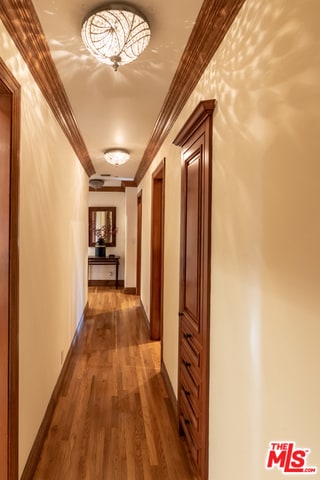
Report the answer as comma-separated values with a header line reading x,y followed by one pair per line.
x,y
114,420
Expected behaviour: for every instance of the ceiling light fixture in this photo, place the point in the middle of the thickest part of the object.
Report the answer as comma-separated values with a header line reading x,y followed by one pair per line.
x,y
115,34
96,183
116,156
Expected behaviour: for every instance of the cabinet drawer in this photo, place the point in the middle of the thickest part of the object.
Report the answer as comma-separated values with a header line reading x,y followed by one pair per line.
x,y
192,444
189,340
190,390
190,413
188,367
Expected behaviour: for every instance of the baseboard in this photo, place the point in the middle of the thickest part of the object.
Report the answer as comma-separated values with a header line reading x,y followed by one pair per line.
x,y
145,316
105,283
170,391
130,290
35,452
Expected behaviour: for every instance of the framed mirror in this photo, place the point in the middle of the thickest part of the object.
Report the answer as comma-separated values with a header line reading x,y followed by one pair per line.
x,y
102,225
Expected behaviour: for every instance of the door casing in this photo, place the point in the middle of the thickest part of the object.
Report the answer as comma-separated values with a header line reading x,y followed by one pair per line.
x,y
157,251
9,272
139,242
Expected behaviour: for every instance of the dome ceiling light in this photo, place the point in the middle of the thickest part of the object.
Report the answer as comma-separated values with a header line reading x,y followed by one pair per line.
x,y
96,183
115,34
116,156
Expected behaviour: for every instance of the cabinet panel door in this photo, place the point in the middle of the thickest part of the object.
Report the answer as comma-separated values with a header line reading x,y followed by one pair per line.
x,y
195,268
191,258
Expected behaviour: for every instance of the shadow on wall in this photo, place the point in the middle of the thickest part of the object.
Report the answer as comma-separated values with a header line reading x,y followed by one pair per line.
x,y
268,93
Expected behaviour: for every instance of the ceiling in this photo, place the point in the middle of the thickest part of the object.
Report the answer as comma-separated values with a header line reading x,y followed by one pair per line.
x,y
117,109
133,108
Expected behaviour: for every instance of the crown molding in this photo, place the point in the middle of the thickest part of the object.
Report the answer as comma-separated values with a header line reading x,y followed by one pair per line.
x,y
213,22
20,19
108,189
128,183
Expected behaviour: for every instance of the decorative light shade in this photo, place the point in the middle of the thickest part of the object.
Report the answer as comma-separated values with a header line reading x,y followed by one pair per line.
x,y
115,34
96,183
116,156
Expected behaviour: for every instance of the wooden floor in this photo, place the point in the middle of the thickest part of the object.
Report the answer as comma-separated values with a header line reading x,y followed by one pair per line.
x,y
114,420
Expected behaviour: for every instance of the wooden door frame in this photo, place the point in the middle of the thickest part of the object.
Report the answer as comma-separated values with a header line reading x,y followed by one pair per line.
x,y
157,251
139,242
9,88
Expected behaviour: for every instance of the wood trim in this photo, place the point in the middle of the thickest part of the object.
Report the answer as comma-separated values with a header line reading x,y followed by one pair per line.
x,y
144,314
13,89
14,285
170,391
130,290
139,241
129,183
63,379
105,283
21,20
213,22
157,251
107,189
199,115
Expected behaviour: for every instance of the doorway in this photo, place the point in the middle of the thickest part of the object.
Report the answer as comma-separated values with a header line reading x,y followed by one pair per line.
x,y
9,272
157,251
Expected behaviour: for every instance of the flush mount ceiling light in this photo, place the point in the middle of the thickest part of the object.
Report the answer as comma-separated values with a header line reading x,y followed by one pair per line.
x,y
96,183
115,34
116,156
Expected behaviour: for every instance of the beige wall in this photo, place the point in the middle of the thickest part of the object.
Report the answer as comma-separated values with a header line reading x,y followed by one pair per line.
x,y
265,300
131,237
53,249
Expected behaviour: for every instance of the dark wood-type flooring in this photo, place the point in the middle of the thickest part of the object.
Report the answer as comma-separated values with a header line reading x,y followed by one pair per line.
x,y
114,420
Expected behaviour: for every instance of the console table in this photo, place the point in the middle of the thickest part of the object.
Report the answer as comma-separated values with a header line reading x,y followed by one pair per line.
x,y
106,261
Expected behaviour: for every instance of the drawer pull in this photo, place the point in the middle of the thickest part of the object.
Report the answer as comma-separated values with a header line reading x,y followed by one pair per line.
x,y
180,314
187,335
186,421
186,392
186,364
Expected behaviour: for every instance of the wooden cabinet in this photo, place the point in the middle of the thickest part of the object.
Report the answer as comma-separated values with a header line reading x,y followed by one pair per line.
x,y
190,391
195,267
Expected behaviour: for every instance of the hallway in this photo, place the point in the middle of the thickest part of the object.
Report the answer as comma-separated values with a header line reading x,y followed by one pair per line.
x,y
114,420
